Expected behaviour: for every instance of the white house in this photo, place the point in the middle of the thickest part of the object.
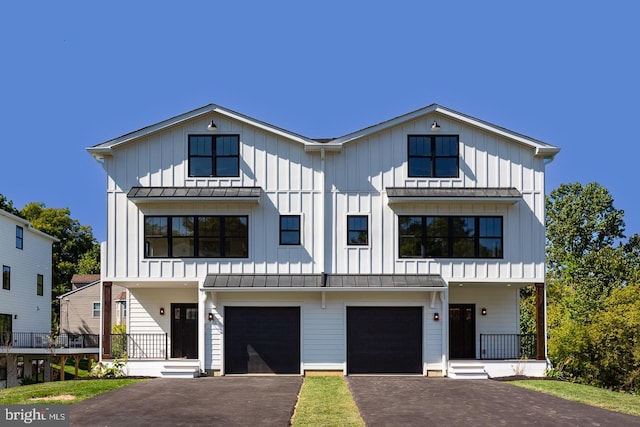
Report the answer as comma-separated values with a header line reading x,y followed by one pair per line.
x,y
25,301
398,248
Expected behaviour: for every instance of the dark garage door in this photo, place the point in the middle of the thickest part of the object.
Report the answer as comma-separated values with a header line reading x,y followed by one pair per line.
x,y
262,340
384,340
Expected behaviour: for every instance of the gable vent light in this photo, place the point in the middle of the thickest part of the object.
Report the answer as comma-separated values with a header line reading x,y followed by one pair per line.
x,y
435,126
212,126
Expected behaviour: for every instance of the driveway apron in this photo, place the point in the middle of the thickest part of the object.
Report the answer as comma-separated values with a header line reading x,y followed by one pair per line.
x,y
419,401
217,401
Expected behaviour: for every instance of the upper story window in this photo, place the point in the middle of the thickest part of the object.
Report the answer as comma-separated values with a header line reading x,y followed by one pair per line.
x,y
433,156
196,236
6,277
357,230
95,309
19,237
214,155
289,229
40,285
450,237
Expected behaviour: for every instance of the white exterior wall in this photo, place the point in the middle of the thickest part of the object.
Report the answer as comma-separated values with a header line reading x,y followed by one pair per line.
x,y
289,177
360,175
33,311
323,330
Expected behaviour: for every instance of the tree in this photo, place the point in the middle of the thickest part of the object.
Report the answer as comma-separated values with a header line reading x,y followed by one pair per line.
x,y
7,205
75,241
89,262
589,267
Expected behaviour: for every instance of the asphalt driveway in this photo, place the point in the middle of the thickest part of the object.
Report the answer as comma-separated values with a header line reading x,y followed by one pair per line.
x,y
217,401
419,401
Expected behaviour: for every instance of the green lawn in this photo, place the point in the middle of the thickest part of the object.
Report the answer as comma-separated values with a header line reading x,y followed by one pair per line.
x,y
70,368
594,396
326,401
60,392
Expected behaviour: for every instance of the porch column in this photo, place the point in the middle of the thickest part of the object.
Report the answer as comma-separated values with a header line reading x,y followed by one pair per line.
x,y
540,322
106,320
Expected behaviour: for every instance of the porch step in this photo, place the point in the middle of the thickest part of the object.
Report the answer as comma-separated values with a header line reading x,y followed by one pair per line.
x,y
180,370
467,371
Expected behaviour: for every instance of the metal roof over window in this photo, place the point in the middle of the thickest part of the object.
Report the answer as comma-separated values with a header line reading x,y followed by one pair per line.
x,y
167,194
324,282
412,194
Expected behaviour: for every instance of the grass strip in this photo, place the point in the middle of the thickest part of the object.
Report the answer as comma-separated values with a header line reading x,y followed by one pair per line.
x,y
60,392
594,396
326,401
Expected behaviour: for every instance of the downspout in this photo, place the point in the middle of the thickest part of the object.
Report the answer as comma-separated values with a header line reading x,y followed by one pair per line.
x,y
323,196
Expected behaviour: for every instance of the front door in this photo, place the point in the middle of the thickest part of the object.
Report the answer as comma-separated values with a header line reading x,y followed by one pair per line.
x,y
462,331
184,331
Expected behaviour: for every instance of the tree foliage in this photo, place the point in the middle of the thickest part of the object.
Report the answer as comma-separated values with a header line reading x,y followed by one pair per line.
x,y
592,279
76,251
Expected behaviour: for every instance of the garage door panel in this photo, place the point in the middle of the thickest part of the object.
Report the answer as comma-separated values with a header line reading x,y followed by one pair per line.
x,y
262,340
384,340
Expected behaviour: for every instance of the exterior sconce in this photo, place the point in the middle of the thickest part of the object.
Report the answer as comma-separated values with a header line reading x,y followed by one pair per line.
x,y
483,311
15,316
210,316
436,317
161,311
212,126
435,126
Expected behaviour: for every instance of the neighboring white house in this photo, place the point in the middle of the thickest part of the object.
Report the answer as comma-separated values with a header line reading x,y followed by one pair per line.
x,y
25,301
398,248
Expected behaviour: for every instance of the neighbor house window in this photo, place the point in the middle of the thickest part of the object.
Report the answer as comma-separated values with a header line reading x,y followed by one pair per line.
x,y
6,277
214,155
6,327
433,156
289,229
357,230
3,368
95,309
450,237
196,236
19,237
40,285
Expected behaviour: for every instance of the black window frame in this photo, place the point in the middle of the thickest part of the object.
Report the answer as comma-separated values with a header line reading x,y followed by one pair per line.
x,y
225,233
6,277
213,156
360,231
40,285
6,328
433,157
19,237
287,229
430,239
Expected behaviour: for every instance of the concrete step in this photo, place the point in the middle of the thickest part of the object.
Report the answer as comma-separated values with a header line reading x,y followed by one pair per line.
x,y
180,370
467,371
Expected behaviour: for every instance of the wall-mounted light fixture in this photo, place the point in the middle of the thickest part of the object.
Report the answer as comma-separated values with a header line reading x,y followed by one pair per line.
x,y
15,316
212,126
436,317
435,126
161,311
483,311
210,316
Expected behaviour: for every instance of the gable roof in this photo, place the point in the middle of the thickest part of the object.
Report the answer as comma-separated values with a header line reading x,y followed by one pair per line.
x,y
27,225
104,148
542,149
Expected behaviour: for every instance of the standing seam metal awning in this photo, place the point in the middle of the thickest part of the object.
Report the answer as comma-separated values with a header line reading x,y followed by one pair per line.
x,y
427,194
180,194
324,282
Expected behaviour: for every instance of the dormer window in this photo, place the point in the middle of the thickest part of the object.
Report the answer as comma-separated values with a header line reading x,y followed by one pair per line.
x,y
214,155
433,156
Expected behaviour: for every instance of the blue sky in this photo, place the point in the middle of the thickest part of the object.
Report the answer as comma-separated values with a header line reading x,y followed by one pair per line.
x,y
77,73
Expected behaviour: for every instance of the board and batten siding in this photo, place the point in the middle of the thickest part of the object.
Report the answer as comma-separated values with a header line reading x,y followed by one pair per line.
x,y
323,330
289,177
360,175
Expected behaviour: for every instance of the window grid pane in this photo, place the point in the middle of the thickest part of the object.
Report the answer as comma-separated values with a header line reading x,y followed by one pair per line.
x,y
40,285
433,156
6,277
450,237
357,230
289,229
19,237
214,155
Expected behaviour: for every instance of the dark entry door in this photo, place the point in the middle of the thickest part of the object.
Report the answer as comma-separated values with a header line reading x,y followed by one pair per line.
x,y
384,340
262,340
184,331
462,331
